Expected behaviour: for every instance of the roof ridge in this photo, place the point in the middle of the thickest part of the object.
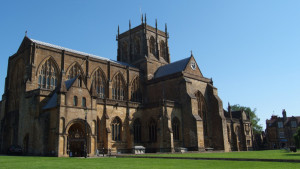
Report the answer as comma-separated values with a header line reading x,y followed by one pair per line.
x,y
77,52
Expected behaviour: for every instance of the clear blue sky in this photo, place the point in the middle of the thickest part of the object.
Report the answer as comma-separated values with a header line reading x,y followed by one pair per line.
x,y
251,49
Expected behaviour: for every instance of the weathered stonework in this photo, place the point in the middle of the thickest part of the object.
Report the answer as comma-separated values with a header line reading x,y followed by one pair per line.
x,y
142,100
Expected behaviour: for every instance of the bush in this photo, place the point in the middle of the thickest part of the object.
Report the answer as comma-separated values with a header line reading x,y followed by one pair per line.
x,y
297,138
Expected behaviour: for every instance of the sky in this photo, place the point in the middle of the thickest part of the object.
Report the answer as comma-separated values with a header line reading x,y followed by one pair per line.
x,y
250,48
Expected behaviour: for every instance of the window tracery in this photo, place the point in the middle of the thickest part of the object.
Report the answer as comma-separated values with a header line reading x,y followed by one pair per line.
x,y
74,71
116,129
163,50
99,83
48,75
135,90
118,88
152,45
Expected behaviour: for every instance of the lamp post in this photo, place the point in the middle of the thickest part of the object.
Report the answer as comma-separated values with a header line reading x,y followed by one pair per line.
x,y
85,131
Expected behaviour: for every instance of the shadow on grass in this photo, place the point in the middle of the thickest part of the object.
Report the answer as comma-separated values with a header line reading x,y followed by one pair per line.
x,y
296,154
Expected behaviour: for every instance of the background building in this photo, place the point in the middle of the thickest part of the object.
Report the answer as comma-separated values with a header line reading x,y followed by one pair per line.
x,y
239,129
280,130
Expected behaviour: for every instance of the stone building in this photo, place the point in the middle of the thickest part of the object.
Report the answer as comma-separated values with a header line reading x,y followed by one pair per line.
x,y
57,100
239,130
280,130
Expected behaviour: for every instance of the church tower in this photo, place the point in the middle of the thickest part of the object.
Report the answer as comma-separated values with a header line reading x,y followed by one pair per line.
x,y
144,47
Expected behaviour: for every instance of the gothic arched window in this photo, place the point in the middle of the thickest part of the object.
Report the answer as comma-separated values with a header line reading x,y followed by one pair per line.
x,y
116,129
202,110
152,45
135,90
137,131
125,51
175,128
48,75
163,50
99,83
74,71
118,88
152,131
137,46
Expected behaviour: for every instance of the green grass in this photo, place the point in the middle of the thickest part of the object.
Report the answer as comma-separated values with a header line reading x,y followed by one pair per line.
x,y
267,154
133,163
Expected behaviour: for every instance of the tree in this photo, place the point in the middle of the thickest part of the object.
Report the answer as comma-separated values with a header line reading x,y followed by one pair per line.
x,y
297,138
257,129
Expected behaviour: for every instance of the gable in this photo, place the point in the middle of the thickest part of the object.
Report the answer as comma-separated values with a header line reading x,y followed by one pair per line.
x,y
26,42
192,67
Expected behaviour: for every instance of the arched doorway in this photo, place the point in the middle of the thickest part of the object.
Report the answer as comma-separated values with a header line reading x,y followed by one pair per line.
x,y
76,139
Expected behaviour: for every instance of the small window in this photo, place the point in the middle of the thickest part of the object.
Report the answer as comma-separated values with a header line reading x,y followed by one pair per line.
x,y
280,124
83,102
79,80
75,101
281,134
293,124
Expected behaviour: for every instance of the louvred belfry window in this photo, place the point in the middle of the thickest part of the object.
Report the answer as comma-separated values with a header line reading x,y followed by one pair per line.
x,y
47,78
152,45
163,50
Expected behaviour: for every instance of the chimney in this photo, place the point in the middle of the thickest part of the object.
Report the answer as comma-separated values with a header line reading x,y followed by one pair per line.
x,y
284,114
273,117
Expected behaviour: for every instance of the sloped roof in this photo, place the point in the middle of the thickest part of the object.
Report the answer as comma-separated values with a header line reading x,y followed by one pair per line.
x,y
237,114
70,82
172,68
290,118
52,102
77,52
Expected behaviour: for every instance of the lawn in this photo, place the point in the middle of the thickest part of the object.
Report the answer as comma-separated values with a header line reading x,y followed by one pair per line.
x,y
267,154
133,163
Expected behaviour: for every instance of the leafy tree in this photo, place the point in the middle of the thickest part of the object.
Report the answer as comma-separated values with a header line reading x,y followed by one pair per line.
x,y
297,138
254,119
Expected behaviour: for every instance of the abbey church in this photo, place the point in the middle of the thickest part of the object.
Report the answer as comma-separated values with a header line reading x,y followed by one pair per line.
x,y
59,101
